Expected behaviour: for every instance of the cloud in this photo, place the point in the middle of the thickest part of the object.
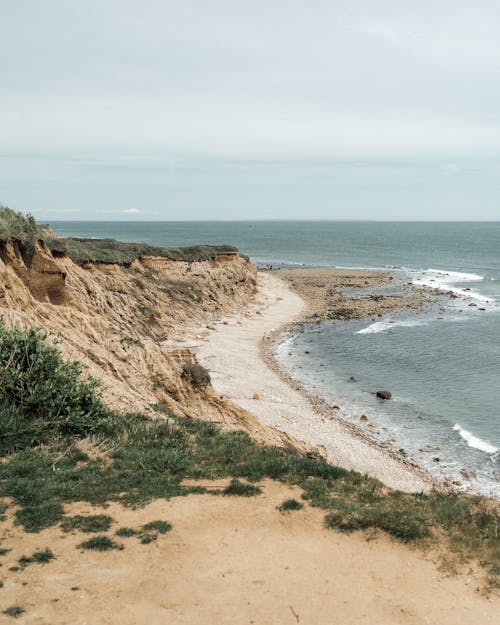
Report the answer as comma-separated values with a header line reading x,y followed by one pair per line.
x,y
132,211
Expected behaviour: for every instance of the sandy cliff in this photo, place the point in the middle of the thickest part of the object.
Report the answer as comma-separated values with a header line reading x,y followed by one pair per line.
x,y
132,324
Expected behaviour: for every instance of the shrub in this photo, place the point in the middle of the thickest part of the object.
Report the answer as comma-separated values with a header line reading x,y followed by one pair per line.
x,y
38,517
41,395
14,611
39,557
241,489
92,523
125,532
100,543
160,526
291,504
148,538
196,374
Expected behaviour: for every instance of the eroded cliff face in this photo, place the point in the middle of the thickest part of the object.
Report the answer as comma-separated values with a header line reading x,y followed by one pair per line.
x,y
131,325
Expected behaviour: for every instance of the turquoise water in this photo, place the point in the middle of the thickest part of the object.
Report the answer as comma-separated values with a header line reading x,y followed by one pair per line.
x,y
442,364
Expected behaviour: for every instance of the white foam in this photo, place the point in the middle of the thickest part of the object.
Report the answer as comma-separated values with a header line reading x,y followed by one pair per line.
x,y
382,326
447,281
474,441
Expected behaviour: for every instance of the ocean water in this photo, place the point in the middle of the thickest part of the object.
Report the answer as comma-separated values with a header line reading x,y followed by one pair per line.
x,y
442,364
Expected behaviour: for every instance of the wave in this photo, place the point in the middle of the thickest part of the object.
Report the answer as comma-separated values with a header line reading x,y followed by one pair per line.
x,y
474,441
382,326
447,281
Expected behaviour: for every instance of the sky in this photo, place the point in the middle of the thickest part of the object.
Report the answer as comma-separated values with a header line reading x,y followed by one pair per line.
x,y
270,109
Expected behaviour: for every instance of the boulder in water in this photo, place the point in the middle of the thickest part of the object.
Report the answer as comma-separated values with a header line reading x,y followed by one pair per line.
x,y
384,394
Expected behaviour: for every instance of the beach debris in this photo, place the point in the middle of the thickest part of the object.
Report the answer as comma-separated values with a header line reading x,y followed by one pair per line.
x,y
256,396
384,394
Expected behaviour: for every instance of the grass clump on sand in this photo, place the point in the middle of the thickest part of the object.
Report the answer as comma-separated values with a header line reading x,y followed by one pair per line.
x,y
39,557
100,543
125,532
15,611
160,526
291,504
241,489
88,524
42,469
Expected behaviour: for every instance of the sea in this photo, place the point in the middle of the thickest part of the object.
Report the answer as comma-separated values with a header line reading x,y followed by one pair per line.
x,y
441,363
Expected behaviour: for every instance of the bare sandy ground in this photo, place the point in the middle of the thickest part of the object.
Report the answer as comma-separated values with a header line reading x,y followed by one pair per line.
x,y
236,561
232,355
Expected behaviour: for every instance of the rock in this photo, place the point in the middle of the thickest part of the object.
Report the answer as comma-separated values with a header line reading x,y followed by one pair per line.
x,y
256,396
437,459
472,304
363,417
307,352
481,308
352,379
384,394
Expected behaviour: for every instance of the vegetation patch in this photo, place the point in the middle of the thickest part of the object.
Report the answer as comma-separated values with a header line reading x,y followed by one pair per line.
x,y
291,504
160,526
196,374
3,509
242,489
39,557
92,523
15,611
84,250
125,532
148,537
100,543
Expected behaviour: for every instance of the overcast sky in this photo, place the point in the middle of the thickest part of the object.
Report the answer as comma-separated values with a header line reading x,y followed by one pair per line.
x,y
229,109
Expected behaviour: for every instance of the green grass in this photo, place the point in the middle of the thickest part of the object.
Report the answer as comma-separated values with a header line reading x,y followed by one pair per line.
x,y
15,225
3,509
82,250
39,557
160,526
88,524
41,469
14,611
100,543
125,532
291,504
241,489
148,537
4,551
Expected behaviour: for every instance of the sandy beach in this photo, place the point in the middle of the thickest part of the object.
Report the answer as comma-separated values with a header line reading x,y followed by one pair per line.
x,y
233,354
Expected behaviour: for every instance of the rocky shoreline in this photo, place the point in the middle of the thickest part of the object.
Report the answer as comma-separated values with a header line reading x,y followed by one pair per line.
x,y
322,291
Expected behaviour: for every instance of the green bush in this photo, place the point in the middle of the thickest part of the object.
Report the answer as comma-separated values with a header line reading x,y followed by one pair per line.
x,y
15,225
241,489
291,504
88,524
196,374
100,543
41,395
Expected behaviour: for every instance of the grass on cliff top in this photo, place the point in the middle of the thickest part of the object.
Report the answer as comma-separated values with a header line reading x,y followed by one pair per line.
x,y
47,407
14,225
111,251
